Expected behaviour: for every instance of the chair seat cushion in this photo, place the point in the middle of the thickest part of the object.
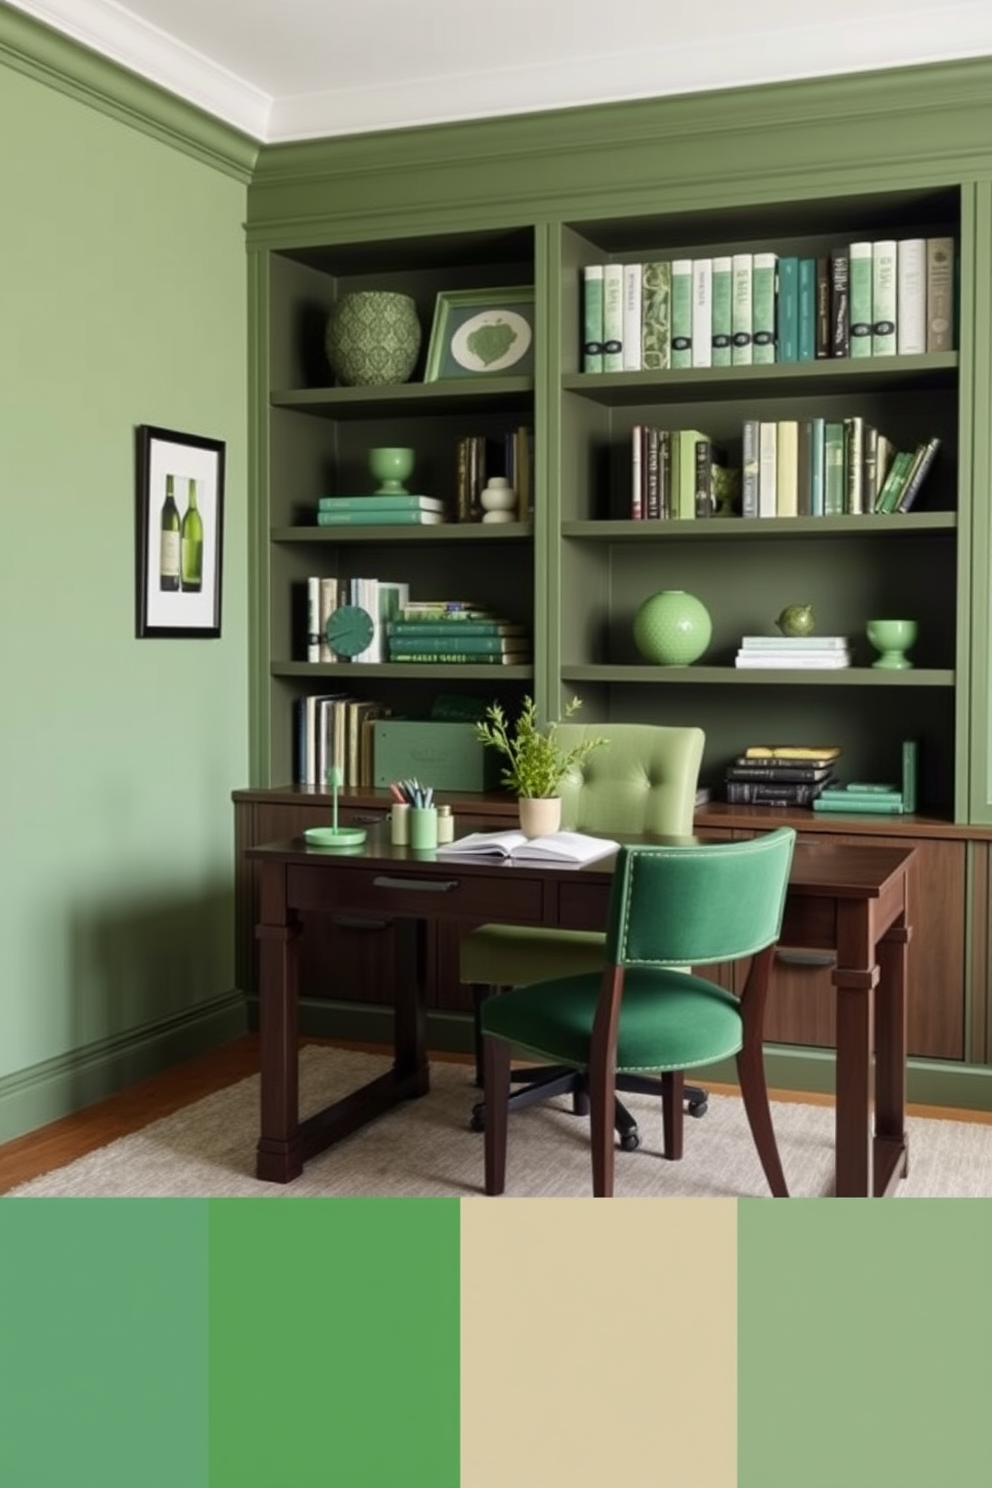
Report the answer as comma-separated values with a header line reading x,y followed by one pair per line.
x,y
668,1020
509,955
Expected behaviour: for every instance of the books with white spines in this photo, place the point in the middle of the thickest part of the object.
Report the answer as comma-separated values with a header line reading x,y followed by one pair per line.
x,y
702,312
812,661
767,469
794,643
722,297
313,618
632,280
883,298
763,307
613,317
560,848
911,296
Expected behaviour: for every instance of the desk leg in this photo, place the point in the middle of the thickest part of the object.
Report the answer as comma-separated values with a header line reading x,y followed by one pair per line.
x,y
855,978
410,1023
891,1155
279,1157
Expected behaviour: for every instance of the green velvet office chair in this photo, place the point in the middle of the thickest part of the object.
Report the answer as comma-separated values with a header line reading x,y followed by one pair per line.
x,y
642,780
671,908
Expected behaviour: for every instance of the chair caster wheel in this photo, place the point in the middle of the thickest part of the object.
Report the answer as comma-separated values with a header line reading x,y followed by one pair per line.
x,y
630,1141
698,1108
478,1119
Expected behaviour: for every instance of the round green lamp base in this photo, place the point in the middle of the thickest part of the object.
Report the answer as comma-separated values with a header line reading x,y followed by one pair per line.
x,y
335,837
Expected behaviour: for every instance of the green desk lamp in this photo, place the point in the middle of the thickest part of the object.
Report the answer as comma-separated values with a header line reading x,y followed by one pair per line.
x,y
335,836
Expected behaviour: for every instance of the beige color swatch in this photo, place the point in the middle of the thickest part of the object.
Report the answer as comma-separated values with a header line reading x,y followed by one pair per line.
x,y
598,1342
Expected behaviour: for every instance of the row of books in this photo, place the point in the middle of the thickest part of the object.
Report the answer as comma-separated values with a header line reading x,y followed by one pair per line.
x,y
445,632
335,729
478,457
789,468
381,599
885,298
810,653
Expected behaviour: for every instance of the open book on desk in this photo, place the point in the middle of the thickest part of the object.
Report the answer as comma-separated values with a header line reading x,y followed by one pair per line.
x,y
555,847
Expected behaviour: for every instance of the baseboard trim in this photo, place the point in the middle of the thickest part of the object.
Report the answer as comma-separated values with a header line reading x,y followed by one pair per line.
x,y
448,1033
57,1087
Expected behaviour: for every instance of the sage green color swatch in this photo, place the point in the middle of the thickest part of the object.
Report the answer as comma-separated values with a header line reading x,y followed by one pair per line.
x,y
334,1344
103,1343
863,1338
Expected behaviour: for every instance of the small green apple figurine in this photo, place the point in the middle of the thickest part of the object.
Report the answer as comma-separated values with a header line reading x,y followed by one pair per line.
x,y
797,620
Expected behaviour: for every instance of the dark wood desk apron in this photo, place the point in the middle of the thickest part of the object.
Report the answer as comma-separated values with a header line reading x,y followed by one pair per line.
x,y
851,900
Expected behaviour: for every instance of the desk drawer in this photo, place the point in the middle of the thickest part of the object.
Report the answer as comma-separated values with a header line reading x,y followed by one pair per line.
x,y
406,891
584,906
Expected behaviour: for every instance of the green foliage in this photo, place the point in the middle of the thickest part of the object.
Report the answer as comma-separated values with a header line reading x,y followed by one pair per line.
x,y
536,761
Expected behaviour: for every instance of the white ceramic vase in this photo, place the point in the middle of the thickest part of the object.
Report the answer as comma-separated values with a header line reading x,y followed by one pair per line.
x,y
539,815
499,500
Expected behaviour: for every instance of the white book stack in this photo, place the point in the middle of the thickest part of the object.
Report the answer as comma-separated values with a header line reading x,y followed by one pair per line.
x,y
808,653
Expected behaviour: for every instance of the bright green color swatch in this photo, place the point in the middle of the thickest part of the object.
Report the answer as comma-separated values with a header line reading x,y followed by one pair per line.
x,y
863,1333
103,1343
334,1343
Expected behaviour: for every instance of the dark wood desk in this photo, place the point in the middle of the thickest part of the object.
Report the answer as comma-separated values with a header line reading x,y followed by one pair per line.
x,y
850,900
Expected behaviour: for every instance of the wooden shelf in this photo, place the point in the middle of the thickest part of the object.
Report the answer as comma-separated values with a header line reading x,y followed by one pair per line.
x,y
746,677
707,529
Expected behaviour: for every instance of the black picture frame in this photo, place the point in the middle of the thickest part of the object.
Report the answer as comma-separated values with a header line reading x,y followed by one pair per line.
x,y
173,465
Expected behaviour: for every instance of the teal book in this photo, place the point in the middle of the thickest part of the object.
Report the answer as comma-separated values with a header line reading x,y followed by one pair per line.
x,y
399,501
834,476
859,273
763,307
394,517
787,310
681,355
722,302
592,318
806,328
656,316
445,645
448,629
463,657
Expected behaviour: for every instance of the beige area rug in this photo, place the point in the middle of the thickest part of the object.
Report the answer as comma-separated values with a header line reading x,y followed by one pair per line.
x,y
424,1148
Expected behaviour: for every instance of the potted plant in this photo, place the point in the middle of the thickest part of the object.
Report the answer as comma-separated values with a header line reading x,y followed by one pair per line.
x,y
536,761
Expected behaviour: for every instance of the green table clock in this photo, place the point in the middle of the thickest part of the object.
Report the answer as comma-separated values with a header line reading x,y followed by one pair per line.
x,y
349,630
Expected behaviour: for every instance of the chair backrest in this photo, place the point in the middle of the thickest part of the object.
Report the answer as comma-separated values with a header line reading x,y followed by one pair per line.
x,y
693,904
643,780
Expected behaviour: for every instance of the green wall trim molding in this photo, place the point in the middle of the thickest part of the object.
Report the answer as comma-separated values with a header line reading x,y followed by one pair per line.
x,y
54,59
821,137
32,1097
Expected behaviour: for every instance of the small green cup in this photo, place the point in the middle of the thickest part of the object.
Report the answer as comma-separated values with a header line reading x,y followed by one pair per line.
x,y
423,828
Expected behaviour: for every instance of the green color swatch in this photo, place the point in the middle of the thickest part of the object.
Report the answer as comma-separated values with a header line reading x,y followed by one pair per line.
x,y
103,1343
863,1333
334,1343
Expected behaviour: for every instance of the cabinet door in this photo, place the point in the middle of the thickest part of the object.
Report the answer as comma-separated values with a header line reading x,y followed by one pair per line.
x,y
801,1006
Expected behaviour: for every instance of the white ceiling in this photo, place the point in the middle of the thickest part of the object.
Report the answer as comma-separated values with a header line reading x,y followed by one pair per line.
x,y
299,69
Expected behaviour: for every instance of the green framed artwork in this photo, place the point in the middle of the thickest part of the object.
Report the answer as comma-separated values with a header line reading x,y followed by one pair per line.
x,y
480,332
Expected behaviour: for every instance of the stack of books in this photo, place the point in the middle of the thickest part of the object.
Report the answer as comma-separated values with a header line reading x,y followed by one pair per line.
x,y
399,510
457,632
781,775
813,653
871,798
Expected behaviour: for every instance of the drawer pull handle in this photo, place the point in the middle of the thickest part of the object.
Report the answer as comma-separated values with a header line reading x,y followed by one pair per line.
x,y
354,922
805,958
421,885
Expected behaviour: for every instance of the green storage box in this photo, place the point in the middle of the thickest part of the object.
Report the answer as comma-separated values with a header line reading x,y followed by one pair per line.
x,y
447,756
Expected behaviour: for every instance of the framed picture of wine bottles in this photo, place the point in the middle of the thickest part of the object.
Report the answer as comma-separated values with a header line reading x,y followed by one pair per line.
x,y
179,533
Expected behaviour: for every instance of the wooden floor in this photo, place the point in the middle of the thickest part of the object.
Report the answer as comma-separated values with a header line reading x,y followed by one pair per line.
x,y
63,1141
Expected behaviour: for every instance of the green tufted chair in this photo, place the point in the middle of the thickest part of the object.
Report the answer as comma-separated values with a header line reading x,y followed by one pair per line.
x,y
643,780
672,908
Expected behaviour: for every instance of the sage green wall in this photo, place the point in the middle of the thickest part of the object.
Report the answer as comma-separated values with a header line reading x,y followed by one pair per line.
x,y
122,302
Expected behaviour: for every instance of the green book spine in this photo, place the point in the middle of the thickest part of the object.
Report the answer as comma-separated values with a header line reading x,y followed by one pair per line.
x,y
475,645
854,465
894,484
452,631
923,459
861,806
742,348
722,300
394,518
860,292
656,311
613,317
834,483
883,298
684,443
787,324
681,354
750,455
592,318
806,329
379,503
940,296
468,658
910,769
763,307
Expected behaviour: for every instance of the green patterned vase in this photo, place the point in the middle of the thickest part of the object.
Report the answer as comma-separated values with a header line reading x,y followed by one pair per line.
x,y
373,337
672,628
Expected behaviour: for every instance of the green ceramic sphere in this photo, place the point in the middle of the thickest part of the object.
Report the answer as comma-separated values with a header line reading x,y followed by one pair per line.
x,y
672,628
373,338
